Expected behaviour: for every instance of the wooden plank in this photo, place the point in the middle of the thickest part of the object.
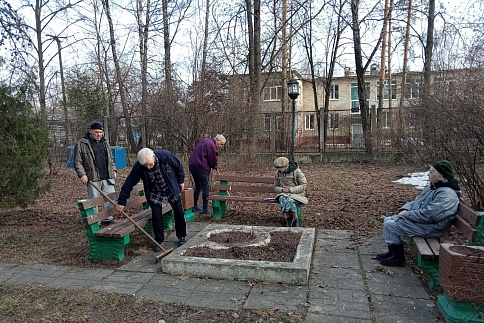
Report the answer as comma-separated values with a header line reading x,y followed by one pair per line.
x,y
469,214
465,228
423,248
243,188
124,227
434,244
254,199
96,217
87,204
246,179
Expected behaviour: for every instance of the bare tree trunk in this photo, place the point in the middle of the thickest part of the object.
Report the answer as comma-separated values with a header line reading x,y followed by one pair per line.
x,y
360,76
329,79
40,54
381,89
166,46
390,55
404,72
429,47
284,98
143,52
64,96
119,79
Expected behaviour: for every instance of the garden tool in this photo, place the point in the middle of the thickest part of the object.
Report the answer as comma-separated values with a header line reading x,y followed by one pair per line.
x,y
164,251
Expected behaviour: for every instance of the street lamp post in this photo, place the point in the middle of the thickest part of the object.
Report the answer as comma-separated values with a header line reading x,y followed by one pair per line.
x,y
293,92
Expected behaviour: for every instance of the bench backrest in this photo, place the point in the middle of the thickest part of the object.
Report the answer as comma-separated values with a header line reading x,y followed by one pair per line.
x,y
244,183
138,199
467,222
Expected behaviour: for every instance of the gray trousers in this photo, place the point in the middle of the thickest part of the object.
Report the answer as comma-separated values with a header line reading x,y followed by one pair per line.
x,y
391,232
105,187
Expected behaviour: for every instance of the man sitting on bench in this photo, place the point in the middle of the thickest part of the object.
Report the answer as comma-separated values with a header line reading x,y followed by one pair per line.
x,y
430,215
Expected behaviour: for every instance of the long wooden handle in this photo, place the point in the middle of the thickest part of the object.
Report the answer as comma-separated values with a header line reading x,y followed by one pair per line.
x,y
128,217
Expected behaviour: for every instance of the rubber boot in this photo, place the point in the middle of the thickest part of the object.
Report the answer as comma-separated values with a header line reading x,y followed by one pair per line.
x,y
381,256
295,222
398,258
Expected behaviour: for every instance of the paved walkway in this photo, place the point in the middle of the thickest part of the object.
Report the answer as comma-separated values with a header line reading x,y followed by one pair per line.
x,y
346,285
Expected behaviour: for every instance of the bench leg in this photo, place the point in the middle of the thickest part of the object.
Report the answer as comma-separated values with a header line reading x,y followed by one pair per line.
x,y
189,215
103,248
169,220
431,268
218,209
459,311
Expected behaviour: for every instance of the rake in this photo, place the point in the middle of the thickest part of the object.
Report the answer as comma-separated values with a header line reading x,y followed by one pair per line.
x,y
164,251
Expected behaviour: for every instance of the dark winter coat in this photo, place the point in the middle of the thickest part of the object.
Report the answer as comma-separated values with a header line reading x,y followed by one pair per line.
x,y
85,162
171,168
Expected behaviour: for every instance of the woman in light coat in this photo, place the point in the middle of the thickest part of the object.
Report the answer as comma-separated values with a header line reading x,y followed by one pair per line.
x,y
430,215
290,186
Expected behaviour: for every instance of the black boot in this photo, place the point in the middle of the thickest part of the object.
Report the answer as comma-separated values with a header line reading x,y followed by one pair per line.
x,y
289,221
295,222
398,258
381,256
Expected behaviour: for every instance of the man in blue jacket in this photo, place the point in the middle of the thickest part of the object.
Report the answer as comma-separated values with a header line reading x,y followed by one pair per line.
x,y
163,179
430,215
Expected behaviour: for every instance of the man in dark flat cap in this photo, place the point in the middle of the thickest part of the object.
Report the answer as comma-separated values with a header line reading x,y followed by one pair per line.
x,y
94,162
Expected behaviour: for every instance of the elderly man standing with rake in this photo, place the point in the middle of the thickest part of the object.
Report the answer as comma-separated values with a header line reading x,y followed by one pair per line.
x,y
163,179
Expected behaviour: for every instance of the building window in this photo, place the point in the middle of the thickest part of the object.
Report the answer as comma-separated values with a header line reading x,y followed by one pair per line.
x,y
355,104
309,122
334,92
279,123
386,119
334,121
385,90
267,122
412,90
272,93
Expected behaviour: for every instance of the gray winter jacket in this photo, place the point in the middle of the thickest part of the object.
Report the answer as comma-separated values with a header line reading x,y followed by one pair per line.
x,y
431,214
84,161
295,181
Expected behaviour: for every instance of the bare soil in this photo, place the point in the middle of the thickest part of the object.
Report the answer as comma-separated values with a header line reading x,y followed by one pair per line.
x,y
351,196
281,248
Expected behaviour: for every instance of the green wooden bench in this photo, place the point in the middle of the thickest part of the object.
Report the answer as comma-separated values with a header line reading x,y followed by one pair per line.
x,y
108,242
242,189
467,222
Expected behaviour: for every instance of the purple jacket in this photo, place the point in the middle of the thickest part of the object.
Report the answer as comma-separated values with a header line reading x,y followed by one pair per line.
x,y
204,155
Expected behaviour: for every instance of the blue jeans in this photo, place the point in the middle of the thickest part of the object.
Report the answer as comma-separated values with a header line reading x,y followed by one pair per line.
x,y
201,185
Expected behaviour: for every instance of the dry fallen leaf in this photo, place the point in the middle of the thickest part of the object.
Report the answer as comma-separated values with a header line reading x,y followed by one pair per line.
x,y
184,277
235,315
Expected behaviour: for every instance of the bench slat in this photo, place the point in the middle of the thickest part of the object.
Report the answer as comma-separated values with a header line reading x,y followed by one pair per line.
x,y
87,204
96,217
465,228
254,199
247,179
434,244
123,227
423,248
243,188
469,214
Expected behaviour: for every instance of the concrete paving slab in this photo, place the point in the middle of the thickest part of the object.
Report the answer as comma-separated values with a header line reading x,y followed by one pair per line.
x,y
396,285
403,310
319,318
282,297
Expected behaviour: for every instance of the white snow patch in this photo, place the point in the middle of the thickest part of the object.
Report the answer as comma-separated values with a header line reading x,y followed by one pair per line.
x,y
420,180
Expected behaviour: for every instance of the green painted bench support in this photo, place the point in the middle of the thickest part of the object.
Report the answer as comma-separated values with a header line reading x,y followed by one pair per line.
x,y
460,312
112,247
468,222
